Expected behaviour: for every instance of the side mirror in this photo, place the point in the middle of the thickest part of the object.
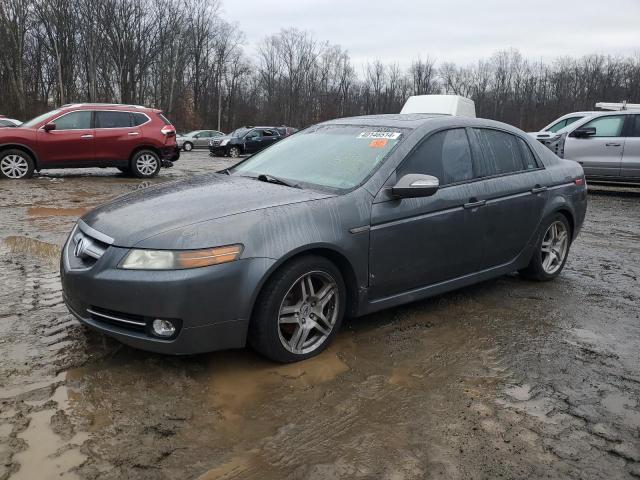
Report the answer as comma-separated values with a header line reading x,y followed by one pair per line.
x,y
415,185
584,132
49,126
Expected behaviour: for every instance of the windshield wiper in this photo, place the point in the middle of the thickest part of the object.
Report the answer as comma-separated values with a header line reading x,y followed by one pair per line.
x,y
263,177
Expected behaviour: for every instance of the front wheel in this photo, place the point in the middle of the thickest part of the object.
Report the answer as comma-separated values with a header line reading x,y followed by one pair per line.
x,y
299,310
16,164
551,251
145,164
188,146
234,152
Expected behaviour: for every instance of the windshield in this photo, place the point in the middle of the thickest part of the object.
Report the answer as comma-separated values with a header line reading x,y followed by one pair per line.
x,y
239,132
334,156
35,121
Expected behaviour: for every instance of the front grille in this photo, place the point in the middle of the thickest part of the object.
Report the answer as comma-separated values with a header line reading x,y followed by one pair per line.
x,y
215,143
84,250
118,319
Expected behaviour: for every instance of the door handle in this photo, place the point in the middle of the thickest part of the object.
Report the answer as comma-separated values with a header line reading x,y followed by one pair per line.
x,y
87,136
133,133
539,189
474,204
611,144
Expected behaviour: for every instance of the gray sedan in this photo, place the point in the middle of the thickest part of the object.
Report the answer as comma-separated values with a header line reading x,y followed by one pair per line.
x,y
196,139
345,218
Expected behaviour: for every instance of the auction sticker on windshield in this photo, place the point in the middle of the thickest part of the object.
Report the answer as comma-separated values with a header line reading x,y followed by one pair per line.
x,y
388,135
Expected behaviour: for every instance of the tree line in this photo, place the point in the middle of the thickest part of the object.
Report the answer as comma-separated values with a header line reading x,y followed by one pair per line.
x,y
181,56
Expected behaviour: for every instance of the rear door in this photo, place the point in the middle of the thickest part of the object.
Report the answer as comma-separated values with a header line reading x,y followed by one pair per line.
x,y
416,242
71,142
269,136
601,154
630,167
116,135
514,187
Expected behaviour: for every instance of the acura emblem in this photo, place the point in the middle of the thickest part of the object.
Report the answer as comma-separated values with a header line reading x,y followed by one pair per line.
x,y
78,251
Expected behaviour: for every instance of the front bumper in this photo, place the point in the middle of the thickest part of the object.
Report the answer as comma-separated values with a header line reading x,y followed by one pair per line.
x,y
218,151
210,306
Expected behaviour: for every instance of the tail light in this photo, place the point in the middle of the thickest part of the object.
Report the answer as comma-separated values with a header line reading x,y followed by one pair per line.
x,y
168,130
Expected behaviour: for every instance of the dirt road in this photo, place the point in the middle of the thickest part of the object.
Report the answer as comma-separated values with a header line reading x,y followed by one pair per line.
x,y
507,379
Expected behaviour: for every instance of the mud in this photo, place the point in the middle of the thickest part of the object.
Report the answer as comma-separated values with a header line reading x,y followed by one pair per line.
x,y
507,379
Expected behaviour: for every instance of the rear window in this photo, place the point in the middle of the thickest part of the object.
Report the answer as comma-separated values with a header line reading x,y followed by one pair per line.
x,y
139,119
164,119
111,119
501,153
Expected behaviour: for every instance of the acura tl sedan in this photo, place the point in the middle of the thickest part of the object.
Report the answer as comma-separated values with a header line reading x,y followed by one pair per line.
x,y
345,218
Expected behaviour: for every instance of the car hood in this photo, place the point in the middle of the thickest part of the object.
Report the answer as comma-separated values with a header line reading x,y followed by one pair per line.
x,y
146,213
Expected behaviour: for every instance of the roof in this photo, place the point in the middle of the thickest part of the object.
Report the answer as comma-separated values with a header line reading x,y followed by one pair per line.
x,y
404,120
114,106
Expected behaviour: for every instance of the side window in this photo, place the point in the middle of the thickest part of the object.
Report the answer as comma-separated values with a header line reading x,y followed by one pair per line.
x,y
530,162
610,126
501,152
139,119
445,155
254,134
635,127
571,120
79,120
5,123
113,119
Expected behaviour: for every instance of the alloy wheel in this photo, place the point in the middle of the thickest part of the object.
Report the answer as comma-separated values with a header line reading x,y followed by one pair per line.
x,y
555,245
147,164
14,166
234,152
308,312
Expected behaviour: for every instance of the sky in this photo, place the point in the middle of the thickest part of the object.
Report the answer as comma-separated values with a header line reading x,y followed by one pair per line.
x,y
460,31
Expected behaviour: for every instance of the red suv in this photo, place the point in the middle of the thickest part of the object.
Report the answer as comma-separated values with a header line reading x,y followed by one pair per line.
x,y
136,140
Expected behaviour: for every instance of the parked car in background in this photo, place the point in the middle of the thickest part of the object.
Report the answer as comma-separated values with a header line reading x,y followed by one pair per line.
x,y
196,139
347,217
606,144
134,139
559,123
244,140
9,122
286,131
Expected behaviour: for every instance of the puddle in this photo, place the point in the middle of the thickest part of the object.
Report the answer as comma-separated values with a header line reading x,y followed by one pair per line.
x,y
57,212
240,380
31,246
47,455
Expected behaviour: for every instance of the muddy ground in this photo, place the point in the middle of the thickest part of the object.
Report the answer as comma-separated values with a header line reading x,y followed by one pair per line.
x,y
507,379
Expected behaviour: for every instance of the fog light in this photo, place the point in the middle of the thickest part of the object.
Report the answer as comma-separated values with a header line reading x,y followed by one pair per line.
x,y
163,328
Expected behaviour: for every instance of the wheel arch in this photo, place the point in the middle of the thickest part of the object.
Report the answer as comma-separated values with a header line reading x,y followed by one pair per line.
x,y
24,148
145,147
329,252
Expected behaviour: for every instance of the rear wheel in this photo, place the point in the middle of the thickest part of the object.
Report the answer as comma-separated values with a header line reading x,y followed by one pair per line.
x,y
234,152
145,164
16,164
551,251
299,310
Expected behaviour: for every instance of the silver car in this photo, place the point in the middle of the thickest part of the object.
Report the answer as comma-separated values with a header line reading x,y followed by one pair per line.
x,y
196,139
606,144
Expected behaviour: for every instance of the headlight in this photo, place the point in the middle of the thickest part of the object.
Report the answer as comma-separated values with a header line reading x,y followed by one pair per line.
x,y
224,142
179,259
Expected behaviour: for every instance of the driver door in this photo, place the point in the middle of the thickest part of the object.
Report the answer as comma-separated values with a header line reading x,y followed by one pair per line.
x,y
253,141
416,242
601,154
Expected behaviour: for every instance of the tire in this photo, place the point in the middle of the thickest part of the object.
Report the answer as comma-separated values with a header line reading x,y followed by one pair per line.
x,y
234,152
286,326
187,147
16,164
145,164
551,251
